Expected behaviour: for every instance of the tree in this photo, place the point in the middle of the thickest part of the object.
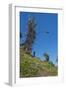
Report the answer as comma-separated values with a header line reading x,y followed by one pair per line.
x,y
34,54
57,59
46,56
31,34
56,63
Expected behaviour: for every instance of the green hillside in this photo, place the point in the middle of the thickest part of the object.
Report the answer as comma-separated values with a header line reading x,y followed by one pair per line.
x,y
34,67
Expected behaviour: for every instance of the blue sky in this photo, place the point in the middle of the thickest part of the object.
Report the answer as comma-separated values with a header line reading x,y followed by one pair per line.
x,y
44,42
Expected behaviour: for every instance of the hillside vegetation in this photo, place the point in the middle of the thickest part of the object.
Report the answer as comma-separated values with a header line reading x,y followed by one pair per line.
x,y
34,67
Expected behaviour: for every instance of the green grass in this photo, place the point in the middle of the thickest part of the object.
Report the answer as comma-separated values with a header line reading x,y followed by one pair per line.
x,y
34,67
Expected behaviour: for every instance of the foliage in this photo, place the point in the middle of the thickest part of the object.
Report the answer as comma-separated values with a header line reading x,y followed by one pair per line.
x,y
34,67
46,56
31,34
51,63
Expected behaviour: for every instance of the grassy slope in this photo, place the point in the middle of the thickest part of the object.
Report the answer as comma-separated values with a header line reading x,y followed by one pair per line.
x,y
32,66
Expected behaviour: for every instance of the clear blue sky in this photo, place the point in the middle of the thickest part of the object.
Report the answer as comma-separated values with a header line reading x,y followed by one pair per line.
x,y
44,42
